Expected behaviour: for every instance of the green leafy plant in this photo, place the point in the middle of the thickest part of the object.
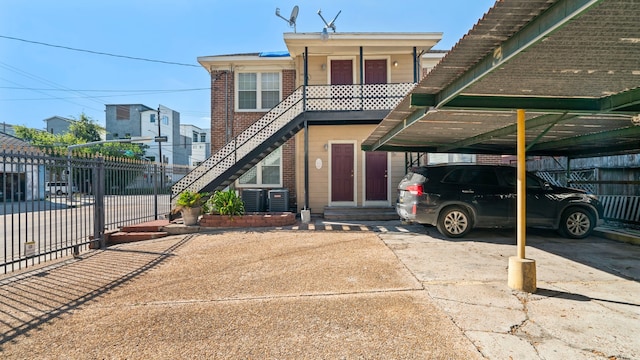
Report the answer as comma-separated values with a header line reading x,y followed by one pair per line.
x,y
225,203
189,199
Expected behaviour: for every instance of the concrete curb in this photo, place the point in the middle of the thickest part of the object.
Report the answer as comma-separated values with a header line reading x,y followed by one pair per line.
x,y
615,234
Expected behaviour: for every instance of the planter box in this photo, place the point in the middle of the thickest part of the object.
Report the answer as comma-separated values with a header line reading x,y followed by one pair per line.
x,y
249,220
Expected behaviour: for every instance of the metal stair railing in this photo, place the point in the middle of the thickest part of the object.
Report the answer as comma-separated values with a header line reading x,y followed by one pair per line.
x,y
241,145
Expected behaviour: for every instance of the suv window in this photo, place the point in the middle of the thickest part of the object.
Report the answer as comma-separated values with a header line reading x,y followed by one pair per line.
x,y
508,175
476,176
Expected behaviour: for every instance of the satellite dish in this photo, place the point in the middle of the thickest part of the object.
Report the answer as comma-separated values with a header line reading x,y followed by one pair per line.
x,y
292,18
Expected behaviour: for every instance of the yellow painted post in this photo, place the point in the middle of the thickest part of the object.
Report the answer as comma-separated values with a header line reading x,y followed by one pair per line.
x,y
522,186
522,271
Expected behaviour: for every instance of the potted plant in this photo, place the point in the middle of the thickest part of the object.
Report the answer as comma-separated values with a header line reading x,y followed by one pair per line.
x,y
189,204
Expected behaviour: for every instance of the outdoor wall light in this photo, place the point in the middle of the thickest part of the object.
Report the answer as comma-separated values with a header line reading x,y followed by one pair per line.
x,y
395,64
323,66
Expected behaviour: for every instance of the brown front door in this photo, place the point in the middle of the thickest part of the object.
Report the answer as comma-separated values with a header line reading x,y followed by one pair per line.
x,y
375,71
376,176
342,172
341,72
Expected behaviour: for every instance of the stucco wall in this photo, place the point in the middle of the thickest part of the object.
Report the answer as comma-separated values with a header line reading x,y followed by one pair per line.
x,y
319,164
318,67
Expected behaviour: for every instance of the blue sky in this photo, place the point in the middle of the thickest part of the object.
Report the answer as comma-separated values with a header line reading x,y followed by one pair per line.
x,y
39,81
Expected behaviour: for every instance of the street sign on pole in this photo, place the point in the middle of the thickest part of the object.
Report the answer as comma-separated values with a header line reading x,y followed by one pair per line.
x,y
160,139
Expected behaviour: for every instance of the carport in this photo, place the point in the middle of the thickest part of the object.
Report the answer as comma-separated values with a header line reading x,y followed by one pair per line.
x,y
534,78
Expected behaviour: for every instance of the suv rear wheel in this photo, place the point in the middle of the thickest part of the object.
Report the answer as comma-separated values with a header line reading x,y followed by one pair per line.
x,y
576,223
454,222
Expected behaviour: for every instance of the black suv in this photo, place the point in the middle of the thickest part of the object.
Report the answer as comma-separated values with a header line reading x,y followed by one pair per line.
x,y
457,198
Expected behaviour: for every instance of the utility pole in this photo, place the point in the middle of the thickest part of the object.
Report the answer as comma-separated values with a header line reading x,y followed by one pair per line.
x,y
160,160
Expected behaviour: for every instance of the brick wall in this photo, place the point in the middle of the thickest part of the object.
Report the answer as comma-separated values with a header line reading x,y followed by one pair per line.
x,y
489,159
226,123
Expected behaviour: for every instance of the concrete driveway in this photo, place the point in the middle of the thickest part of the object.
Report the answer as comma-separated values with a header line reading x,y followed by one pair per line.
x,y
586,306
397,292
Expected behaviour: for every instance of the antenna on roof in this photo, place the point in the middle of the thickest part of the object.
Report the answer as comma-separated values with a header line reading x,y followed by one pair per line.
x,y
292,19
331,25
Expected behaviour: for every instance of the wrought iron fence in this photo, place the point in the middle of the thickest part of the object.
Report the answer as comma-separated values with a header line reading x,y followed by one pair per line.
x,y
53,206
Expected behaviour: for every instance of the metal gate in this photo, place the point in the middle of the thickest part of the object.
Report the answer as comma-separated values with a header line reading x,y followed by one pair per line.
x,y
54,206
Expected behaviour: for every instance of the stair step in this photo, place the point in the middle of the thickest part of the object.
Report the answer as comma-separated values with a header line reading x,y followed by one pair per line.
x,y
360,213
150,226
126,237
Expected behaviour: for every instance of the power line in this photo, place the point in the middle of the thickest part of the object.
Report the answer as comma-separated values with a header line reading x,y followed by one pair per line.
x,y
94,90
42,80
98,52
93,97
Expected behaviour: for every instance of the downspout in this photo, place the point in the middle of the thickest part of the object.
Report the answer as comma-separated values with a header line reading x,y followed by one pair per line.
x,y
306,130
415,65
226,108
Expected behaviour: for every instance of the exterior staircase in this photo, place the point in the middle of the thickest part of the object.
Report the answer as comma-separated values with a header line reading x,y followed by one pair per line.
x,y
246,149
279,125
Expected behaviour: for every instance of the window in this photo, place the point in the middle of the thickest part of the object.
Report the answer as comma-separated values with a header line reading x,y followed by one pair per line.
x,y
122,112
195,136
203,137
152,118
258,91
445,158
165,119
266,173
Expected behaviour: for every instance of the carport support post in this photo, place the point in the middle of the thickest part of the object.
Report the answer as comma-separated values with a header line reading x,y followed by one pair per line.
x,y
522,271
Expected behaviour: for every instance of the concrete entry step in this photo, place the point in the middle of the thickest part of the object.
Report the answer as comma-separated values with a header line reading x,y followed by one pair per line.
x,y
360,213
137,232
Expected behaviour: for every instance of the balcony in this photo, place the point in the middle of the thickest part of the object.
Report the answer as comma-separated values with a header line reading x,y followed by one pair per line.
x,y
355,97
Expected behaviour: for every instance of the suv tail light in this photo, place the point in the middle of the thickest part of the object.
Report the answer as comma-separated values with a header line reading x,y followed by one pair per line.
x,y
415,190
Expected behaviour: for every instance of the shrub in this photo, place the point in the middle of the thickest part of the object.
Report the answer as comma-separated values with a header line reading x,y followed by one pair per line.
x,y
225,203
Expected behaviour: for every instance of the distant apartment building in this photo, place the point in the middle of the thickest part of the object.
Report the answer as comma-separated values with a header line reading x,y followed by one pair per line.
x,y
58,124
7,129
195,142
137,120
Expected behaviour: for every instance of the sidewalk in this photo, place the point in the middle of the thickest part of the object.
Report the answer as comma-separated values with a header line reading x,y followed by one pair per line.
x,y
384,291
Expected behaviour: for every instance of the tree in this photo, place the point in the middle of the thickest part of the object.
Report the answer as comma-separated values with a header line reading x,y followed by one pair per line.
x,y
86,129
81,131
37,138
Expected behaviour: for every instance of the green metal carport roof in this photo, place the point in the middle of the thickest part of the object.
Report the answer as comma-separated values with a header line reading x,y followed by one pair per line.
x,y
573,65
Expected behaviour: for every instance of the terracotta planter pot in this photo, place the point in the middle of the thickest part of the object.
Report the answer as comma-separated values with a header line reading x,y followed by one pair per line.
x,y
190,215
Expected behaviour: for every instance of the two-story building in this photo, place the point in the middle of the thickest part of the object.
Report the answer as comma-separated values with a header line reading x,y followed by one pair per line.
x,y
58,124
295,120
